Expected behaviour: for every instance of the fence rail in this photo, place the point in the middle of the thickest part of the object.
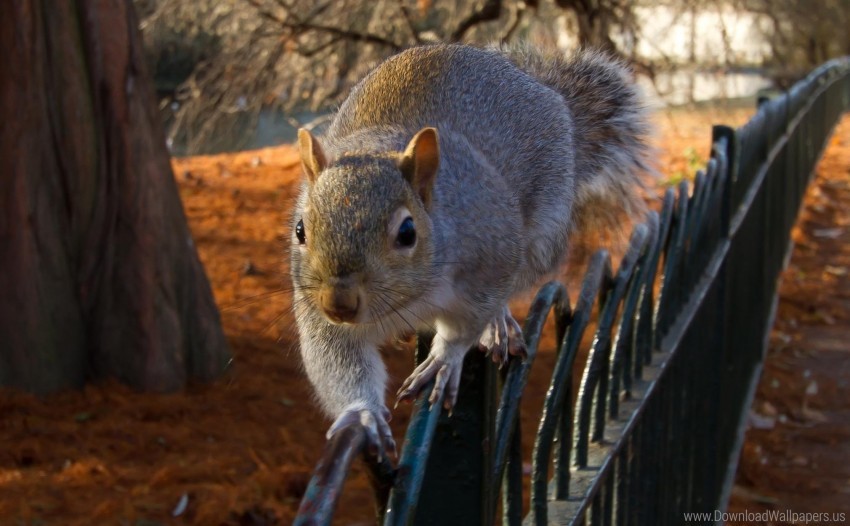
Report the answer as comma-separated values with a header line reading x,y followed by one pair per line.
x,y
659,416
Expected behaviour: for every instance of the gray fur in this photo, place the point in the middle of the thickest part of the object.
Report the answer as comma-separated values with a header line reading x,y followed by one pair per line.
x,y
518,147
610,127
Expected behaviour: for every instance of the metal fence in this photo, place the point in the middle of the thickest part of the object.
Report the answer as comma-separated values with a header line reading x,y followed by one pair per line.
x,y
659,416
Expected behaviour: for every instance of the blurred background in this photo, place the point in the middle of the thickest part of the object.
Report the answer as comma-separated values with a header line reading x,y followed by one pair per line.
x,y
240,74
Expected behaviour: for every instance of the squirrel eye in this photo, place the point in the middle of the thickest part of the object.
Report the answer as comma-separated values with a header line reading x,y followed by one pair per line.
x,y
299,232
406,234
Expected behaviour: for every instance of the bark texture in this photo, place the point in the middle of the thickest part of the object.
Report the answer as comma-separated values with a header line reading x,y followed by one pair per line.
x,y
99,276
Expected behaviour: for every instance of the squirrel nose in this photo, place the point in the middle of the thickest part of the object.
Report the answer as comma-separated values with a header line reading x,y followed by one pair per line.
x,y
339,299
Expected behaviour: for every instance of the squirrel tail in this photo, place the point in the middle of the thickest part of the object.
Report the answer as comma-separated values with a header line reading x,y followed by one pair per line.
x,y
611,128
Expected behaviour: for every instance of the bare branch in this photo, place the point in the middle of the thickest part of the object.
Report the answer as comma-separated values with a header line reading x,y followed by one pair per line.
x,y
408,20
490,10
265,13
519,11
299,27
307,53
347,34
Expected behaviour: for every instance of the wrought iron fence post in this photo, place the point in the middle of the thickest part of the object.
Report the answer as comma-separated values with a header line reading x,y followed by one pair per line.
x,y
459,470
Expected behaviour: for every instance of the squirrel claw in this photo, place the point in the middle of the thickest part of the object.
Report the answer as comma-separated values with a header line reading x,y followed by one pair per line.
x,y
502,337
379,436
446,376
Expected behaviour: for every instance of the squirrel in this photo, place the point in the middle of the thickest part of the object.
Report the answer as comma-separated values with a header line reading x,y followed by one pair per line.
x,y
448,181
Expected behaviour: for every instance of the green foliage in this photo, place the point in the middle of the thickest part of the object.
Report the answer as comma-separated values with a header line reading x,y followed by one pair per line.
x,y
694,162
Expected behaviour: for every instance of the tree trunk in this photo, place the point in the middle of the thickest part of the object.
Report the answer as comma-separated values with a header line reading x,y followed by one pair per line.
x,y
99,276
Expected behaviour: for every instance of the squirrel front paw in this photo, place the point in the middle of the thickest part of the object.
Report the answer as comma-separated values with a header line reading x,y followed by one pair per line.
x,y
379,437
502,336
446,375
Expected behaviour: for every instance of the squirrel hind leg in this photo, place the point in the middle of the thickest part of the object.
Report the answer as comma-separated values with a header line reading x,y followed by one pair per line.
x,y
502,337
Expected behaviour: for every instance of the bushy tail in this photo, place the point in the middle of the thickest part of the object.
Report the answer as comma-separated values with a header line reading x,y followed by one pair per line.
x,y
611,127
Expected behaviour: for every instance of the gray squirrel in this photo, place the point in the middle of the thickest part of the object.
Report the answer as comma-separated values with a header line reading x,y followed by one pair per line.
x,y
448,181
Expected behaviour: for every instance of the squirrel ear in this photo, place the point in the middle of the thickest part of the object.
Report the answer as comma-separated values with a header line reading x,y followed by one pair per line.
x,y
312,157
420,161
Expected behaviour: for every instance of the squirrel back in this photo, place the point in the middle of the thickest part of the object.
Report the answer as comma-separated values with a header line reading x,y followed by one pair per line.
x,y
476,95
610,124
501,100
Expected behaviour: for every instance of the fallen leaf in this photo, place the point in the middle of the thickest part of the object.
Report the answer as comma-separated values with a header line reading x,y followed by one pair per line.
x,y
182,504
82,417
800,461
768,409
828,233
758,421
836,271
813,415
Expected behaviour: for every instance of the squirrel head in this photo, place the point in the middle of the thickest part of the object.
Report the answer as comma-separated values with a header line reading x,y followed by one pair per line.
x,y
362,239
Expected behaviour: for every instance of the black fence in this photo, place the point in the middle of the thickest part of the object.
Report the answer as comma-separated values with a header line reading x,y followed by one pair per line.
x,y
658,421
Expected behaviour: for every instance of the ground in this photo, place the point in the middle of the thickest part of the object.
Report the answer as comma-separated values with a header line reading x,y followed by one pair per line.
x,y
240,450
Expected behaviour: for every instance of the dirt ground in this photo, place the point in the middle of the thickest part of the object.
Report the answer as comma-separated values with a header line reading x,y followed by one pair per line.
x,y
239,451
796,457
